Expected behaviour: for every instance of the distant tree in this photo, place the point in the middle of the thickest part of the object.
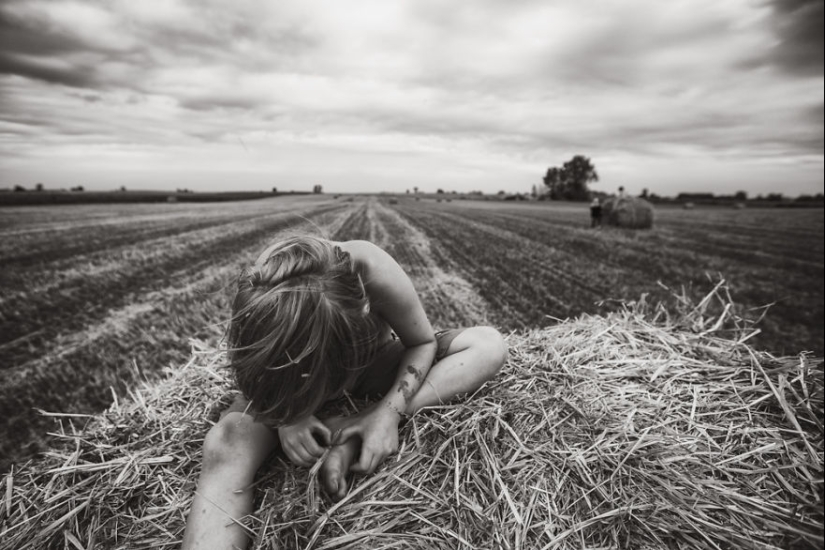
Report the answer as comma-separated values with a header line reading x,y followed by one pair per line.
x,y
38,187
570,181
77,189
645,193
317,189
741,195
501,192
553,179
579,171
534,192
774,196
19,188
274,189
415,190
439,191
408,191
123,188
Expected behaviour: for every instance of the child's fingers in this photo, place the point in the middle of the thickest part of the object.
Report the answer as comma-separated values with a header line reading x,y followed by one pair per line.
x,y
312,447
365,462
298,455
320,429
293,457
346,433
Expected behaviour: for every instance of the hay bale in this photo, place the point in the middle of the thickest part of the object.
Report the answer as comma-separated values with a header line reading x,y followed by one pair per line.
x,y
640,429
628,212
688,206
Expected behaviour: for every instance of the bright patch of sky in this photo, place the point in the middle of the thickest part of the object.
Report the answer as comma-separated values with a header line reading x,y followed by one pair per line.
x,y
683,95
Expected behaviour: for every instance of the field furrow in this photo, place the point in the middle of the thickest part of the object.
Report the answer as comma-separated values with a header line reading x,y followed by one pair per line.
x,y
95,297
620,264
31,320
78,371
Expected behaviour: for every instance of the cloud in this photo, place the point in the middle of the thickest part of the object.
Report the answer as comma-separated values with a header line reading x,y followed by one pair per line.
x,y
798,24
520,84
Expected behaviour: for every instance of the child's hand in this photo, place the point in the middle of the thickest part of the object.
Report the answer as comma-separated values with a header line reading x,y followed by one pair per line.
x,y
378,428
298,441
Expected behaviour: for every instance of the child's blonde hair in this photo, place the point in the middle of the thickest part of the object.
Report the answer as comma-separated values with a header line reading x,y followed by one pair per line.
x,y
300,328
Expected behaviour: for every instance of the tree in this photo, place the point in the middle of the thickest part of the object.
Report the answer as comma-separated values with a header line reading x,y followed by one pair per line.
x,y
274,189
579,171
38,187
553,180
415,190
19,188
317,189
645,193
439,191
741,195
570,181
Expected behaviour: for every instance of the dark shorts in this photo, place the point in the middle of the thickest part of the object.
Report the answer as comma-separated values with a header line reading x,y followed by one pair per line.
x,y
379,376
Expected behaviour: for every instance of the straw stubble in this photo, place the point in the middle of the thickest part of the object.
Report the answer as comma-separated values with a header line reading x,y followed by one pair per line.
x,y
642,429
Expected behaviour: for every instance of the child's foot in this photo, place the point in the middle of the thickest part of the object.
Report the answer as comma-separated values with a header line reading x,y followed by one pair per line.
x,y
336,467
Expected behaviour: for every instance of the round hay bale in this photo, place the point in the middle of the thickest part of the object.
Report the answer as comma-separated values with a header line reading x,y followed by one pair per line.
x,y
628,212
688,206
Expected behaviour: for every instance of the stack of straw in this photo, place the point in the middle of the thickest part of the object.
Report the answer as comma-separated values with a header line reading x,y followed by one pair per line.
x,y
628,212
639,430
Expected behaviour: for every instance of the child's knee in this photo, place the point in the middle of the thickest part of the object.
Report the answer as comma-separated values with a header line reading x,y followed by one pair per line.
x,y
234,441
490,344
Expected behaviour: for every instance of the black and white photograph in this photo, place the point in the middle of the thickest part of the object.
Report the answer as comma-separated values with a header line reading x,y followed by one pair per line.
x,y
412,275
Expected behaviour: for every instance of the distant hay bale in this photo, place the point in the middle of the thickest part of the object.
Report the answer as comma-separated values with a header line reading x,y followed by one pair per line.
x,y
738,205
628,212
641,429
688,206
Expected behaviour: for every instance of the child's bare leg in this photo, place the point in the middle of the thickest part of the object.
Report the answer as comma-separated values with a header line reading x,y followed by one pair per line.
x,y
474,357
233,450
336,466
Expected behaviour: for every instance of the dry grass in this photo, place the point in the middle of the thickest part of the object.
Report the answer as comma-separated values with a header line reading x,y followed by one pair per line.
x,y
628,212
639,430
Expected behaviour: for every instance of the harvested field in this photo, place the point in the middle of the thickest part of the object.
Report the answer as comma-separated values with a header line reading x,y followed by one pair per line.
x,y
637,429
97,298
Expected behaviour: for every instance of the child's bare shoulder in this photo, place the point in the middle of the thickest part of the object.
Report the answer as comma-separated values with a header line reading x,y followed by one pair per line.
x,y
365,255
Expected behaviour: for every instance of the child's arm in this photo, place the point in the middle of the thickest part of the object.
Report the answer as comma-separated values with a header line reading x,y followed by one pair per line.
x,y
394,298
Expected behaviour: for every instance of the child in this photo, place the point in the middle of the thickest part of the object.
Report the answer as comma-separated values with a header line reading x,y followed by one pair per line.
x,y
312,319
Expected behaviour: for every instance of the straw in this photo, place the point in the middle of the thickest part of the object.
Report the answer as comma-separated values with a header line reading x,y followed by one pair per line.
x,y
641,429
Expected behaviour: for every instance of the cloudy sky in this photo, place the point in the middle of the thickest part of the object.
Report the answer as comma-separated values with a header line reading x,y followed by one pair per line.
x,y
680,95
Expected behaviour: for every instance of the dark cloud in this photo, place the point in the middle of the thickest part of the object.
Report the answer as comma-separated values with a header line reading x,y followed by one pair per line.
x,y
798,25
32,36
217,102
77,77
36,47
